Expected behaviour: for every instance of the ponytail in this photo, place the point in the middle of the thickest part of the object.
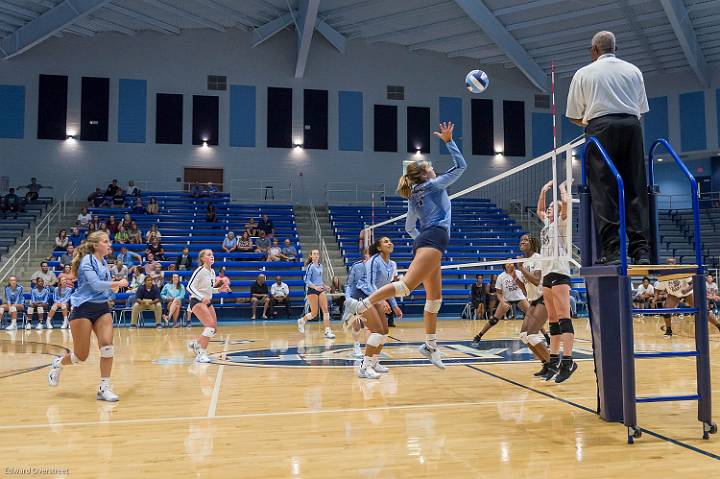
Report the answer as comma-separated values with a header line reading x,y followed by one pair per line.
x,y
85,249
415,173
404,187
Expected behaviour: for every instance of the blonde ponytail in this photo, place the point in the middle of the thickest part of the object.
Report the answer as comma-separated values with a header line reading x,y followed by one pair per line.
x,y
404,187
415,173
86,248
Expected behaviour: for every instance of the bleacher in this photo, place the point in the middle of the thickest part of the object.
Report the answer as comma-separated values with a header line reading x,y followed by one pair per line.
x,y
13,228
181,221
676,234
480,232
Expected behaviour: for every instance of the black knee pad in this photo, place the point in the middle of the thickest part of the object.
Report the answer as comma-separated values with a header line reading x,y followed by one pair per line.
x,y
555,329
566,326
493,321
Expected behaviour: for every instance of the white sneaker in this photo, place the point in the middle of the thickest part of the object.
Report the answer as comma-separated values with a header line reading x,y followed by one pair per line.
x,y
28,326
12,327
329,334
379,368
435,357
48,325
106,394
357,351
301,326
54,374
64,325
193,346
39,326
368,373
202,357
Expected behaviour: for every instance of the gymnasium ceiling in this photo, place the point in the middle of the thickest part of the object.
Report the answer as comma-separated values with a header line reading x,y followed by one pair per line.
x,y
660,36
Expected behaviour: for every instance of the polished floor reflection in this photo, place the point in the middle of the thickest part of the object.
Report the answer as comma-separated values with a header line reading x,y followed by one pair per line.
x,y
277,404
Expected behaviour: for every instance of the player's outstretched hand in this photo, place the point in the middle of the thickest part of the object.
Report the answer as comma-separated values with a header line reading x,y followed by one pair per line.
x,y
446,131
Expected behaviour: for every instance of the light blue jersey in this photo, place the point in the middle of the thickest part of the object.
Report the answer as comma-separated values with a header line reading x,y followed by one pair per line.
x,y
378,273
40,295
314,275
429,202
62,296
355,276
93,282
14,296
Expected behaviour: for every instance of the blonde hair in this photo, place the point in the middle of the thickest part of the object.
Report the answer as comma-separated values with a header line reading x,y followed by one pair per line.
x,y
202,254
413,175
309,260
88,247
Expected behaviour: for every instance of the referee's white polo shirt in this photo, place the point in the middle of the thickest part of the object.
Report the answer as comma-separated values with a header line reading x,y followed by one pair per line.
x,y
604,87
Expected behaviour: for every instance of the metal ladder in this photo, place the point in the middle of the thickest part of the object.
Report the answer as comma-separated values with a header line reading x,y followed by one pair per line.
x,y
628,355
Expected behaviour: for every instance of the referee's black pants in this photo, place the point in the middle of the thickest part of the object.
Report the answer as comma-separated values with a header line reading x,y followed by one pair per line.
x,y
622,138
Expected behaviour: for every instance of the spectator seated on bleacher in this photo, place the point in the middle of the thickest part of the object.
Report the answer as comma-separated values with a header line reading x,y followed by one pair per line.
x,y
150,263
118,199
14,302
67,278
84,218
259,294
251,227
153,207
173,294
280,295
262,244
119,271
137,279
66,259
44,273
138,207
211,213
126,221
266,225
96,199
95,224
112,226
195,190
61,301
245,244
289,251
711,289
132,190
157,275
112,189
33,189
134,234
11,203
275,252
230,242
153,232
39,302
210,189
184,262
121,236
147,298
479,296
129,258
61,241
156,249
644,295
76,236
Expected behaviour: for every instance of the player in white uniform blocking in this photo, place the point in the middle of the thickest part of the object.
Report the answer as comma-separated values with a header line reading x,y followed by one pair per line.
x,y
201,287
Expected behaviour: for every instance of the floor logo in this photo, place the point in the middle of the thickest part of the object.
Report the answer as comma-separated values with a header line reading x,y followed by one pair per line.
x,y
394,354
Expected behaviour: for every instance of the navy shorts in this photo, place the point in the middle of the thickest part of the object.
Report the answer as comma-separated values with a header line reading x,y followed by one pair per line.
x,y
359,295
194,301
434,237
537,302
91,311
555,279
311,291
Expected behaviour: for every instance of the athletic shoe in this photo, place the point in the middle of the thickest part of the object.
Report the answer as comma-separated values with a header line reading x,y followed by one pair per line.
x,y
193,346
379,368
189,324
64,325
39,326
28,326
435,357
106,394
12,327
357,351
552,370
301,326
542,372
158,326
48,325
668,333
202,357
565,371
368,373
329,333
54,374
476,340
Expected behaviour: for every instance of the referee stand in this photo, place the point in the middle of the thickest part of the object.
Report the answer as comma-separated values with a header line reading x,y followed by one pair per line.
x,y
611,309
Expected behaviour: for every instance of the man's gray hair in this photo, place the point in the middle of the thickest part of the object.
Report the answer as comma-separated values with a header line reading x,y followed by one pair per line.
x,y
604,41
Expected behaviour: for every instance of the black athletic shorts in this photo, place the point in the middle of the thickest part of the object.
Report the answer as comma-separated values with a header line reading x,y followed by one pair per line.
x,y
536,302
193,302
314,291
513,303
358,295
91,311
555,279
434,237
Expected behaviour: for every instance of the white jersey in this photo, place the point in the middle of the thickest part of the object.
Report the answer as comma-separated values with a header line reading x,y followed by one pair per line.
x,y
508,287
711,288
202,284
642,290
675,287
534,264
548,242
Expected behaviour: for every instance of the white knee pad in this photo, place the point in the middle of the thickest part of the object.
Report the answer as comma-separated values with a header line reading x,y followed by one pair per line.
x,y
30,310
13,309
432,305
209,332
385,338
74,359
524,337
107,351
375,340
535,339
401,289
41,310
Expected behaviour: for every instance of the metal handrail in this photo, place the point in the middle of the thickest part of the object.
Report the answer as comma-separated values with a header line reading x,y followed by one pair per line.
x,y
12,260
68,196
329,271
371,191
55,213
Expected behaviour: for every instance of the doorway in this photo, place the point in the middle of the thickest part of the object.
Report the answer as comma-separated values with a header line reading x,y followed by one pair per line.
x,y
203,175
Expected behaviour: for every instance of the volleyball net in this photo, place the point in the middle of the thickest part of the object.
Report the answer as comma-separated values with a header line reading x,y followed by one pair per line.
x,y
489,216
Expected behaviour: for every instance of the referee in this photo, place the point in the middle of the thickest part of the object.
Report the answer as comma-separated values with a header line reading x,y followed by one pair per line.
x,y
607,98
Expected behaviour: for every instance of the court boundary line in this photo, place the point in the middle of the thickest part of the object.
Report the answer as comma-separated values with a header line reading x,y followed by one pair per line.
x,y
657,435
218,382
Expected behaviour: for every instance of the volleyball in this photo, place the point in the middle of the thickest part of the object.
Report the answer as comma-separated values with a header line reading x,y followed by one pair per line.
x,y
477,81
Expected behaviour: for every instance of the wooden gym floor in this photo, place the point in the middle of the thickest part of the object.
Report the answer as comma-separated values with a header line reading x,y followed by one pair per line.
x,y
262,411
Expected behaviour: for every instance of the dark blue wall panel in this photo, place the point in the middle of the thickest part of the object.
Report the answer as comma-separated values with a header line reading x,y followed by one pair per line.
x,y
242,115
693,135
450,109
656,121
542,133
350,121
12,111
132,111
569,131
